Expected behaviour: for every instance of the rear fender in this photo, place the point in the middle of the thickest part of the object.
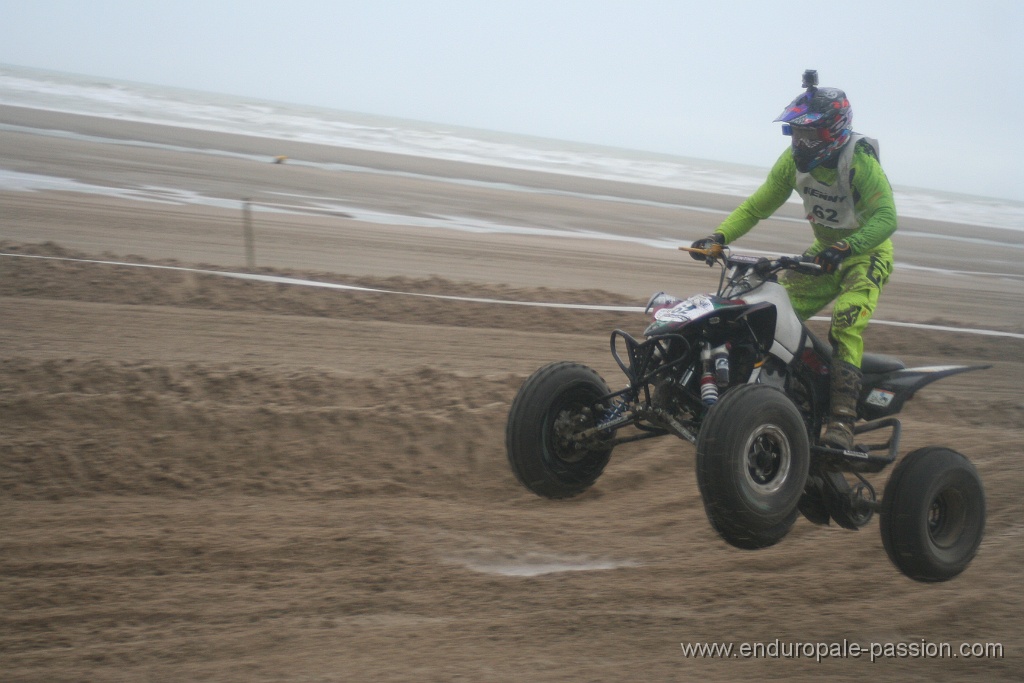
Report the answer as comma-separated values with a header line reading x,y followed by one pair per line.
x,y
884,395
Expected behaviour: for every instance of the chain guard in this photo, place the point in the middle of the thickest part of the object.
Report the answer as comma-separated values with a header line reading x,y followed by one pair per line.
x,y
829,496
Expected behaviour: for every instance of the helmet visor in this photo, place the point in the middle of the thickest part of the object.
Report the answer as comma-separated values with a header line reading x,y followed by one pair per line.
x,y
799,112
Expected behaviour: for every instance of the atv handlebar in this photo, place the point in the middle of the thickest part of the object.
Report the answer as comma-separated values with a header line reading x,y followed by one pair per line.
x,y
801,264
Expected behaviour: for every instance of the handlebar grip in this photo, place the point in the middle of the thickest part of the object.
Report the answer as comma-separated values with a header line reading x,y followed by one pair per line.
x,y
807,265
714,251
801,264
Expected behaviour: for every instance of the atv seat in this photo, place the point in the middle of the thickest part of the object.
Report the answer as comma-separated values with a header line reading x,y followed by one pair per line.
x,y
870,364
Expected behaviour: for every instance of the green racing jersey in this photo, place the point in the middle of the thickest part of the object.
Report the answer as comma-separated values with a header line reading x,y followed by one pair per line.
x,y
874,210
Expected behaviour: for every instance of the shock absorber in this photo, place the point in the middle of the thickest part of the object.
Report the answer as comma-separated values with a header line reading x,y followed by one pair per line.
x,y
720,361
614,411
708,386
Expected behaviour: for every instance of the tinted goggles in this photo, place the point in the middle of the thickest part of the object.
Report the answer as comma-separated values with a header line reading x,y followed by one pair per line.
x,y
807,137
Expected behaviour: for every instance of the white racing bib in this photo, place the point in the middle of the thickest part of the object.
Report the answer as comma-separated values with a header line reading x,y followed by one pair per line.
x,y
833,205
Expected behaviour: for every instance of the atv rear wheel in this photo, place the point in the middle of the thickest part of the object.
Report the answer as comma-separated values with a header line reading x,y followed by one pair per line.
x,y
752,461
557,401
933,514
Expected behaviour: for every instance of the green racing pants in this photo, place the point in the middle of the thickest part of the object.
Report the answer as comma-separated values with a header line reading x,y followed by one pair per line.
x,y
855,287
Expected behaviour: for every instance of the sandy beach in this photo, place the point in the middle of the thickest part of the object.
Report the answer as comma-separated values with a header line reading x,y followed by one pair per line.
x,y
205,478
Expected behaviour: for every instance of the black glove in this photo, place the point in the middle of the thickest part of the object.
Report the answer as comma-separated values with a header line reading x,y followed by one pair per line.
x,y
706,243
830,258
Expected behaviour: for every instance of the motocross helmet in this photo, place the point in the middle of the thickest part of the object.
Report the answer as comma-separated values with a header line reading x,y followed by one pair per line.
x,y
821,122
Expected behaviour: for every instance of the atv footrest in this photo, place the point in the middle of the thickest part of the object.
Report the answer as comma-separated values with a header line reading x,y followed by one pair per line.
x,y
861,459
851,461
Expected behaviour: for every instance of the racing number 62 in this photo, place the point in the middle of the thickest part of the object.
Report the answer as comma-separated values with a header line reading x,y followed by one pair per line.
x,y
830,215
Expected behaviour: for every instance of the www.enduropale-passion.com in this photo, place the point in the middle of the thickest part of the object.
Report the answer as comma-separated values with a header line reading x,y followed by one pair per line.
x,y
778,649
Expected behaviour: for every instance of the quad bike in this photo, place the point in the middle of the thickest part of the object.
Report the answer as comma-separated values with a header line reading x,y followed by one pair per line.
x,y
739,376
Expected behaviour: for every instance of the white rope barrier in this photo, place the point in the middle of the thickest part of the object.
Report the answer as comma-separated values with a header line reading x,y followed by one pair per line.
x,y
278,279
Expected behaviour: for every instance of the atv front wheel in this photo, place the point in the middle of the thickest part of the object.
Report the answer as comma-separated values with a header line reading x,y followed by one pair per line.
x,y
752,461
555,403
933,514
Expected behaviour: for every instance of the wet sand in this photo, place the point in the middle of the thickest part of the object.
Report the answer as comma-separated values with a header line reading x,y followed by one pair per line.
x,y
213,479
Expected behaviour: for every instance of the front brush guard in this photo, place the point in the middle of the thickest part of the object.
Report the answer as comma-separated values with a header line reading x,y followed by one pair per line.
x,y
646,359
645,363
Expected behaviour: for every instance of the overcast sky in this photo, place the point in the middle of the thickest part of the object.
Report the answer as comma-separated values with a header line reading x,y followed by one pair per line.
x,y
939,83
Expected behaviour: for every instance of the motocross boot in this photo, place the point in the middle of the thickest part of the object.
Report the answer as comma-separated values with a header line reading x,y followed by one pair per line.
x,y
845,391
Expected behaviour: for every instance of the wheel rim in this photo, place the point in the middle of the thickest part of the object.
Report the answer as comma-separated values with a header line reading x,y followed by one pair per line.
x,y
769,457
568,416
563,447
947,518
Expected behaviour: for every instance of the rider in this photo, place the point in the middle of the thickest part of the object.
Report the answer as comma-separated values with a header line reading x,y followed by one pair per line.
x,y
850,206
